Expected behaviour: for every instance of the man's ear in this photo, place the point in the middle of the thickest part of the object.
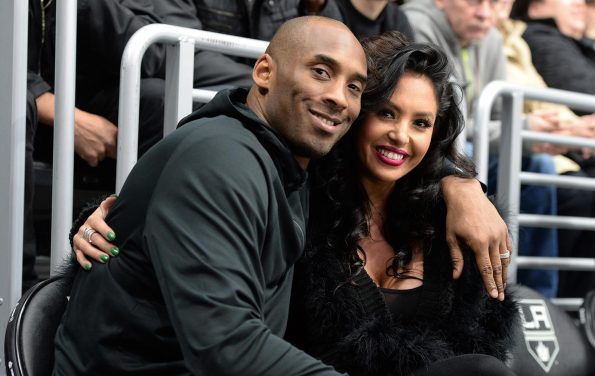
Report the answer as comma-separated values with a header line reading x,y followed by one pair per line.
x,y
263,71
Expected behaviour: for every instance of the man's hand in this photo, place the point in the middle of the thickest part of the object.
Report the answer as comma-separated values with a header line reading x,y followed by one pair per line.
x,y
95,137
473,220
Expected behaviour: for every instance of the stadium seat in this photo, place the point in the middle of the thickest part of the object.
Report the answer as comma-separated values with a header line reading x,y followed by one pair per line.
x,y
550,342
29,339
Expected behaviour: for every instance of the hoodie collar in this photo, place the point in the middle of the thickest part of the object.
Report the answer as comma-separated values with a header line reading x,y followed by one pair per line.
x,y
232,103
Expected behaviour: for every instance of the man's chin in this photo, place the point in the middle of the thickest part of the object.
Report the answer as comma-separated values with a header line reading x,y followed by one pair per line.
x,y
312,151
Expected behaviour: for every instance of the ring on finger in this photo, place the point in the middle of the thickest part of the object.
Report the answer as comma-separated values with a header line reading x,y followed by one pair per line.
x,y
88,233
505,255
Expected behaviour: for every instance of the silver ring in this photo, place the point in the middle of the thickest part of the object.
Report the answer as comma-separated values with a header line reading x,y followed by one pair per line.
x,y
505,255
87,233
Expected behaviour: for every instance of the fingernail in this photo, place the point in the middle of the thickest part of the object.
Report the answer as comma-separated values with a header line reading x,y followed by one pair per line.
x,y
494,293
104,257
501,296
111,236
87,266
114,251
113,195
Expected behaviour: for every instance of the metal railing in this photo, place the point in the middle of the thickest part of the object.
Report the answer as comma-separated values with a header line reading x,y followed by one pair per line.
x,y
13,78
510,176
179,79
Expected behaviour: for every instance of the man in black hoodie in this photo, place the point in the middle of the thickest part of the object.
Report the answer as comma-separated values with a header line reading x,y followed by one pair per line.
x,y
211,221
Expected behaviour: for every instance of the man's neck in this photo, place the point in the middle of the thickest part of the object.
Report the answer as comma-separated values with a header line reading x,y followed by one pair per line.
x,y
255,106
370,8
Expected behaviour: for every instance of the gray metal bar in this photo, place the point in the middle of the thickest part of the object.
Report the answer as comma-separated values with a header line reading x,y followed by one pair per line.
x,y
509,167
567,222
481,122
568,304
179,78
559,263
557,139
62,182
130,78
495,89
533,178
13,78
202,96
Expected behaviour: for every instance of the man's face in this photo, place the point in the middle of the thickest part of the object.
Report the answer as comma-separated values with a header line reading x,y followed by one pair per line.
x,y
315,93
469,19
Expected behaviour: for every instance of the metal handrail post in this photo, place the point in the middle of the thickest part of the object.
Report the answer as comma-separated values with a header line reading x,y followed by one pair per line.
x,y
13,78
179,79
481,131
130,78
509,168
62,181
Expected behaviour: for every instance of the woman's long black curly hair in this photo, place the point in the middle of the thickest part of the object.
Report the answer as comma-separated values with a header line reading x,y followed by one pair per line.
x,y
339,204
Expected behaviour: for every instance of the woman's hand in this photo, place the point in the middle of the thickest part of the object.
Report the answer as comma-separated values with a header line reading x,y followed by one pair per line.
x,y
94,236
471,219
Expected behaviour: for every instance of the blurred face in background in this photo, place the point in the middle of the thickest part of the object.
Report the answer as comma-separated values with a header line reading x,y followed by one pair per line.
x,y
570,15
502,11
469,19
590,32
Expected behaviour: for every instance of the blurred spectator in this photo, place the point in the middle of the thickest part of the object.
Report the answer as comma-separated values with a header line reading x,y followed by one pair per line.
x,y
571,202
590,29
554,32
464,29
257,19
367,18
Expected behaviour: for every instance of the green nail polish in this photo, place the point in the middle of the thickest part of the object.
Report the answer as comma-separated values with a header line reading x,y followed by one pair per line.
x,y
114,251
110,236
104,257
87,266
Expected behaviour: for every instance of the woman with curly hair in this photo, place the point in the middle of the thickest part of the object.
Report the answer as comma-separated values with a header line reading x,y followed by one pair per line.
x,y
374,294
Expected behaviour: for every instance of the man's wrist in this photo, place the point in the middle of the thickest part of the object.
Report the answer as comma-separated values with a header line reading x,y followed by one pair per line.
x,y
451,184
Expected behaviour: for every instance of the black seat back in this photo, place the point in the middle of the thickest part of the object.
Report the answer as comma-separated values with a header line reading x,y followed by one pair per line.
x,y
29,339
550,342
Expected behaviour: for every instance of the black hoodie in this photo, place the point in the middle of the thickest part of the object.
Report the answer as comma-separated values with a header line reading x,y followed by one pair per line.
x,y
209,223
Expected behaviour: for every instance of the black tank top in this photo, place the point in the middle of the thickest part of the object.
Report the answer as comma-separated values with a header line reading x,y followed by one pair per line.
x,y
402,304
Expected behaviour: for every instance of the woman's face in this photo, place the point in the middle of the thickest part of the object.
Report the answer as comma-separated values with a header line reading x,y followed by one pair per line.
x,y
393,141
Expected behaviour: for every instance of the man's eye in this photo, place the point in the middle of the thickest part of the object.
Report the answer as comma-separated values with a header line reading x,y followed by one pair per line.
x,y
355,87
321,72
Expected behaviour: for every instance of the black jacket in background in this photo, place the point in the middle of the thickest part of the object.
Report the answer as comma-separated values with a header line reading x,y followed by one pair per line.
x,y
563,62
210,223
391,18
257,19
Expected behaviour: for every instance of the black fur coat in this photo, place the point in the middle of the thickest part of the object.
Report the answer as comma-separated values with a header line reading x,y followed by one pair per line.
x,y
342,324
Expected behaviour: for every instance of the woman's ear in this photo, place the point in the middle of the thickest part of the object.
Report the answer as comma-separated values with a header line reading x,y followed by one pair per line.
x,y
263,71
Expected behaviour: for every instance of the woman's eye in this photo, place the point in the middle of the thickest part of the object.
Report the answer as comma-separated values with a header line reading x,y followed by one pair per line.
x,y
387,114
422,123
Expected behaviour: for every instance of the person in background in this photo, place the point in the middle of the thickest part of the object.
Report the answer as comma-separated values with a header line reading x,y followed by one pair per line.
x,y
590,29
554,33
571,202
368,18
464,29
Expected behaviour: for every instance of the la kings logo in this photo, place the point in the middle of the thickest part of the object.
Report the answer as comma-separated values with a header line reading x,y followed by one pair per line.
x,y
539,333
